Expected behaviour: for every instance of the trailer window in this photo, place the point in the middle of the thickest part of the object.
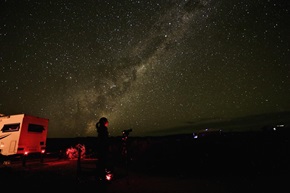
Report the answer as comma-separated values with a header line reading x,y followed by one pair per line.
x,y
35,128
11,127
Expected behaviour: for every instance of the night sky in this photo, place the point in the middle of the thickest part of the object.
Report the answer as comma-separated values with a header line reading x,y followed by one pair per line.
x,y
158,67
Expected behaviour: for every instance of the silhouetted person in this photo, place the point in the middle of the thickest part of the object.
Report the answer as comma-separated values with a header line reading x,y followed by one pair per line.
x,y
102,147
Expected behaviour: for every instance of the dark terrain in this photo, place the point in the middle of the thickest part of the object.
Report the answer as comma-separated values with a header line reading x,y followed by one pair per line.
x,y
224,162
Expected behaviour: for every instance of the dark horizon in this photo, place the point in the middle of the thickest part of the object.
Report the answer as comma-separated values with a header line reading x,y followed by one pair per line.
x,y
251,123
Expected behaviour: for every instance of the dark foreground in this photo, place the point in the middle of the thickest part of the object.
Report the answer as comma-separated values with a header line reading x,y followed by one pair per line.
x,y
236,163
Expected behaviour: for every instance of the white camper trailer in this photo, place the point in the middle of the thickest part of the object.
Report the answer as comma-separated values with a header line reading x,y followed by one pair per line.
x,y
22,134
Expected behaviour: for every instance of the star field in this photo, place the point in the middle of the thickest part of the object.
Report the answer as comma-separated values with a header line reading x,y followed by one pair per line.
x,y
159,67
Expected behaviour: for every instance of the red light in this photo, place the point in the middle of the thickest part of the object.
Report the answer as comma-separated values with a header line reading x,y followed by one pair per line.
x,y
43,151
109,176
106,124
26,153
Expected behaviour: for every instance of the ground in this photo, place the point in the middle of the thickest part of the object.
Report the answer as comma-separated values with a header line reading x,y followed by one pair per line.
x,y
230,166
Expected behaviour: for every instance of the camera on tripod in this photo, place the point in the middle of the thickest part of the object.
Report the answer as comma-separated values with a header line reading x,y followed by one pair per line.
x,y
127,132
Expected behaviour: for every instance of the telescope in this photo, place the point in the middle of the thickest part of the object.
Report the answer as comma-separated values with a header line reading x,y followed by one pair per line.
x,y
127,132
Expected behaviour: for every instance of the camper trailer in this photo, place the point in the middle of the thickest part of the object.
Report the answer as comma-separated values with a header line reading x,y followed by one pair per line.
x,y
22,134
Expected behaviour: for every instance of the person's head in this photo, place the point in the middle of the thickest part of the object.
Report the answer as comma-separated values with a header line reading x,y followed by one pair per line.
x,y
104,121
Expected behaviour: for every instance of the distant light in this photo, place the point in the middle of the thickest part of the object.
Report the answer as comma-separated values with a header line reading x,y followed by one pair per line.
x,y
274,128
195,136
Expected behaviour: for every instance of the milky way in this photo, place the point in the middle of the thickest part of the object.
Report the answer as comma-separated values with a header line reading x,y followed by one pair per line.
x,y
158,67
